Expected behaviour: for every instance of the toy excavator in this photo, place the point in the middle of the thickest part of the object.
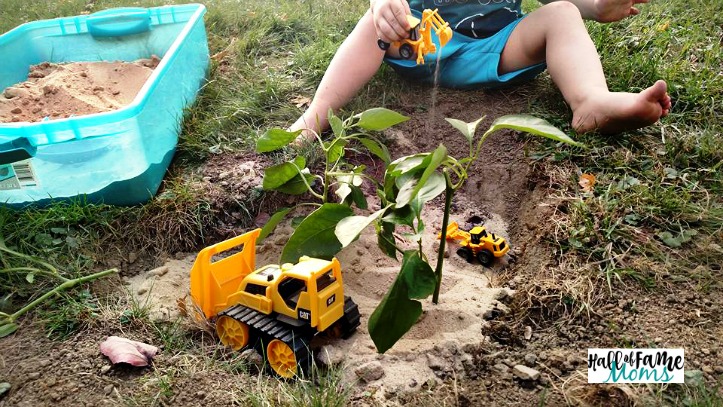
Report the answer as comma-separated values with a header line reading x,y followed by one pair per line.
x,y
477,243
420,36
276,310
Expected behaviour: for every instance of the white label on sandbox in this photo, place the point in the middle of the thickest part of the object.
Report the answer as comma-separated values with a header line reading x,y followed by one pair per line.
x,y
17,176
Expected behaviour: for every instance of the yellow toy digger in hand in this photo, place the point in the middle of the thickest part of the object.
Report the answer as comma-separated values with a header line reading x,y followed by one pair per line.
x,y
420,36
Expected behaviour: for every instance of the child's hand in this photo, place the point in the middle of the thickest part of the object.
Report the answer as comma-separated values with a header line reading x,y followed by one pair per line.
x,y
390,19
615,10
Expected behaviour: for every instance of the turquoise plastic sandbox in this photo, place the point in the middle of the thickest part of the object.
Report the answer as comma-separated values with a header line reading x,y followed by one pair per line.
x,y
117,157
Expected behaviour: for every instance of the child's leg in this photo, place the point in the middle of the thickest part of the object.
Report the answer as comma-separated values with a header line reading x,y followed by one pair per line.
x,y
354,64
555,33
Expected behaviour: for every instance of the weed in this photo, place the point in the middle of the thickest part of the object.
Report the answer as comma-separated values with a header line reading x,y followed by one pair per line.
x,y
134,312
69,313
699,395
173,335
321,388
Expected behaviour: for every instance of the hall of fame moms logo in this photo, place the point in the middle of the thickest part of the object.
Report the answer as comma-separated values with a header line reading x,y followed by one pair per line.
x,y
635,366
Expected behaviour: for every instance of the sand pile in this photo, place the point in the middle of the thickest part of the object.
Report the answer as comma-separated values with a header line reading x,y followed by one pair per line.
x,y
437,347
56,91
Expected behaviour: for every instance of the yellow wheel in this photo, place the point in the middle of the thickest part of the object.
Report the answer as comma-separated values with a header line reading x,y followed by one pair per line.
x,y
232,333
281,359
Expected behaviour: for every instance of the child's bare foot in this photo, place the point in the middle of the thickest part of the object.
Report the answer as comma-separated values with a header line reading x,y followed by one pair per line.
x,y
615,112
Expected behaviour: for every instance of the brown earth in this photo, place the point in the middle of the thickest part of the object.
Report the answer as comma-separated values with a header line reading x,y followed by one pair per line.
x,y
453,357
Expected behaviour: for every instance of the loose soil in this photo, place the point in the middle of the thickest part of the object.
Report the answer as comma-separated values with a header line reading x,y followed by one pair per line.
x,y
462,351
57,91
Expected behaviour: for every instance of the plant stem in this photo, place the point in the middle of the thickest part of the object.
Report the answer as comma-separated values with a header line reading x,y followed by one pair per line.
x,y
32,270
448,194
67,284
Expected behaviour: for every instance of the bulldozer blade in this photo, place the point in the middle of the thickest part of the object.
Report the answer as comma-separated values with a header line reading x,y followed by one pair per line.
x,y
214,280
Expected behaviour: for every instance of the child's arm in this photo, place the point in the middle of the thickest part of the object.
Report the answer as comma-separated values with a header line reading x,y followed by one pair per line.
x,y
390,19
605,11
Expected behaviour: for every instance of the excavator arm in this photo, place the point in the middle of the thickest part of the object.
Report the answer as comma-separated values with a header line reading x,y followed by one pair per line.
x,y
431,21
455,233
422,43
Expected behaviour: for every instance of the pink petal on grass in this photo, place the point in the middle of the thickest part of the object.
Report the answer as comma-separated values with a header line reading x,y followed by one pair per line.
x,y
122,350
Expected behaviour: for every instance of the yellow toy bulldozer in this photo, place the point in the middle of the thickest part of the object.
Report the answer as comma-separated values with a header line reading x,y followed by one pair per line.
x,y
477,243
276,309
420,36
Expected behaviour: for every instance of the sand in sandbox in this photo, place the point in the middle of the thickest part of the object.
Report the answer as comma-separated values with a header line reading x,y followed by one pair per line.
x,y
57,91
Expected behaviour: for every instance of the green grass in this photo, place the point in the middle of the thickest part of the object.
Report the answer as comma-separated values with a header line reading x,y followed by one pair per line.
x,y
321,388
656,187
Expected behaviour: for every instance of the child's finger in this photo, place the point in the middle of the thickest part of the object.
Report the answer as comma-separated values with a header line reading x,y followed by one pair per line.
x,y
397,21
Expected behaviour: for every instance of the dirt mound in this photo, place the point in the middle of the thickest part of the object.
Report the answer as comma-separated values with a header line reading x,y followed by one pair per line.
x,y
441,345
56,91
437,346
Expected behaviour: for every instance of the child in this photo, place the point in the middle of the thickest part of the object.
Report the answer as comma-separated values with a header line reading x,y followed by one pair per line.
x,y
494,44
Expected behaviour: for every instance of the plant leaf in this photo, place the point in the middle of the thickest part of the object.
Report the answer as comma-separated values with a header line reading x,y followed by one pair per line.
x,y
296,185
337,126
343,191
4,387
357,196
398,310
628,182
349,228
336,150
434,186
278,175
30,278
273,221
669,239
418,275
439,155
379,118
386,240
8,328
407,163
405,190
346,183
315,235
467,129
274,139
532,125
376,148
401,216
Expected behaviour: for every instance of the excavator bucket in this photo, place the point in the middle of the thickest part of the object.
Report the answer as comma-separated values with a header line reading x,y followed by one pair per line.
x,y
444,35
214,280
441,27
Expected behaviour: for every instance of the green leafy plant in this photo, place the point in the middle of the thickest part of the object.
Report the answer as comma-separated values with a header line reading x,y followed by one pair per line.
x,y
409,183
336,189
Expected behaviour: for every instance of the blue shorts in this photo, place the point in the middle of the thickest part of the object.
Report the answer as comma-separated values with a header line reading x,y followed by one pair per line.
x,y
467,63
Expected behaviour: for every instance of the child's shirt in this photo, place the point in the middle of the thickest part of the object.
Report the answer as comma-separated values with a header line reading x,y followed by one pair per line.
x,y
474,18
